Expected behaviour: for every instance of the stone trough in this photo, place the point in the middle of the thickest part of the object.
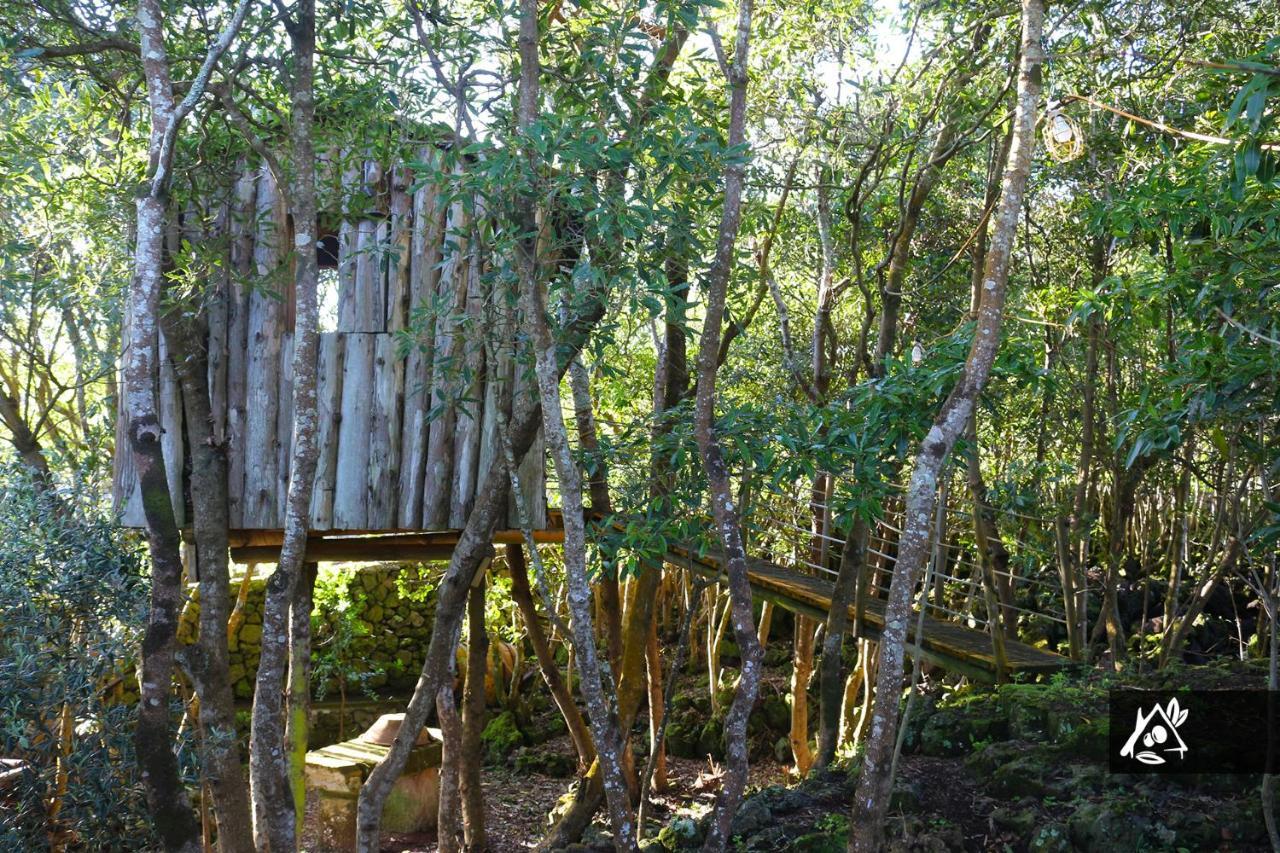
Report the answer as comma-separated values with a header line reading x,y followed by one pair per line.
x,y
335,774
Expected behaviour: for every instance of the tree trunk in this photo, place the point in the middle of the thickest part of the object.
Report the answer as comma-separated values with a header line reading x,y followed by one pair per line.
x,y
993,557
598,485
601,710
273,802
831,679
724,511
175,824
872,797
670,386
473,719
578,731
801,670
449,832
209,662
298,698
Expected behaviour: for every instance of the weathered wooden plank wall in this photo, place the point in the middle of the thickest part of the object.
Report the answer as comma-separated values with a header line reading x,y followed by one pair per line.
x,y
408,422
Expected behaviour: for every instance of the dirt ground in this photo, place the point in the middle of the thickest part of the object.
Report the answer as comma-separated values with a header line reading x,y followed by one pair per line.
x,y
517,804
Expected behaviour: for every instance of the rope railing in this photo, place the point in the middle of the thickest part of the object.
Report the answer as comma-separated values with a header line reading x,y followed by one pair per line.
x,y
779,518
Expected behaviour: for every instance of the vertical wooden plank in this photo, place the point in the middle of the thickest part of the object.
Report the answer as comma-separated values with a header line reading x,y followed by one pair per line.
x,y
329,406
369,291
384,433
497,376
262,377
349,244
429,209
171,443
218,316
351,492
370,284
533,468
466,438
125,488
452,296
243,217
399,251
284,427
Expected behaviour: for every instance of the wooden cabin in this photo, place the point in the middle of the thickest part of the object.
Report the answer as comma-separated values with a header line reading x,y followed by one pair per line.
x,y
407,422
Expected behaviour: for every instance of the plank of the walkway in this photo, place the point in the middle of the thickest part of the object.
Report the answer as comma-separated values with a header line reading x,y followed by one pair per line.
x,y
950,645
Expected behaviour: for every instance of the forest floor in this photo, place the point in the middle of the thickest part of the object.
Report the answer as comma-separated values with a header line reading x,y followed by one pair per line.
x,y
517,803
1016,768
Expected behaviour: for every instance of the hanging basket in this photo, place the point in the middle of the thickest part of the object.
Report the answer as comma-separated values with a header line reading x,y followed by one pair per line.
x,y
1063,138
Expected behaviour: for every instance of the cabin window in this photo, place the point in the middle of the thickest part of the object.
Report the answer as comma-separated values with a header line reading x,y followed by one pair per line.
x,y
328,284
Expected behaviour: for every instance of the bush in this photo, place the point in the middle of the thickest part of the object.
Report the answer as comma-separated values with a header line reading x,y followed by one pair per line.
x,y
72,603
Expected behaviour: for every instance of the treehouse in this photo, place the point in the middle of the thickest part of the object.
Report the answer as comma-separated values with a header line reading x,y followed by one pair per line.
x,y
407,397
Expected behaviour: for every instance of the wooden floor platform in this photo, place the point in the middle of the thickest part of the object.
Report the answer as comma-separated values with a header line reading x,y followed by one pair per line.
x,y
956,648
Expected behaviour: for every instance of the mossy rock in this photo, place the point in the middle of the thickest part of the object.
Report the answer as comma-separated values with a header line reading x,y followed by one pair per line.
x,y
681,833
777,713
1103,828
1089,739
777,655
711,739
905,797
546,762
821,842
753,816
957,730
551,725
682,740
1051,838
1017,820
1027,775
985,759
501,737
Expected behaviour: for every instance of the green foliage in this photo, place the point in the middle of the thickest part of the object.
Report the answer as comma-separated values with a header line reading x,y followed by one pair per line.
x,y
72,599
337,657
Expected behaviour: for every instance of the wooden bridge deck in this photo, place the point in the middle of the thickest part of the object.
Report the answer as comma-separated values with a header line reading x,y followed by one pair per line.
x,y
956,648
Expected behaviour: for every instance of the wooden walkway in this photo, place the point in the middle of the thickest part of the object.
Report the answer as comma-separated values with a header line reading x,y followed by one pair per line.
x,y
956,648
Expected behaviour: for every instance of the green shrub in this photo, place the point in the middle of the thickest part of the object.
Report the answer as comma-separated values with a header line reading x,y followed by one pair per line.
x,y
72,603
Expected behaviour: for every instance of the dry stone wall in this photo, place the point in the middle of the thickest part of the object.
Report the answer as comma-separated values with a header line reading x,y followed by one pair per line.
x,y
370,630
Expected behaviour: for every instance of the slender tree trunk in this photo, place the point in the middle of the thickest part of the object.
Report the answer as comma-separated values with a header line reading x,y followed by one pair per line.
x,y
473,719
298,698
872,797
993,557
598,485
831,678
657,716
1074,565
578,731
208,662
273,802
1181,627
490,508
670,387
449,831
170,807
943,149
724,511
601,709
801,671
